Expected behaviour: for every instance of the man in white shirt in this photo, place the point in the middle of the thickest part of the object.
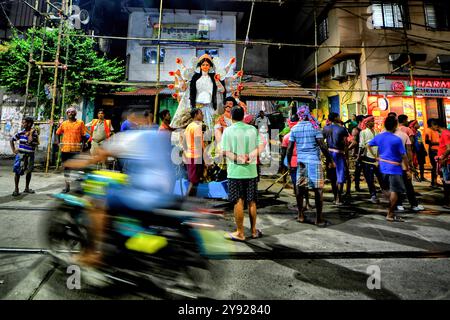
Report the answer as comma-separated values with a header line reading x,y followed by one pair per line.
x,y
368,158
263,123
410,192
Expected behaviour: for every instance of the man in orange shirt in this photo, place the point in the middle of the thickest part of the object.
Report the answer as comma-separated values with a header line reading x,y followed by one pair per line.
x,y
73,131
100,130
432,137
193,150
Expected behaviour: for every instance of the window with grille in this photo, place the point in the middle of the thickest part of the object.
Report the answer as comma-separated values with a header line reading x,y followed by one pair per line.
x,y
389,15
322,32
149,55
437,15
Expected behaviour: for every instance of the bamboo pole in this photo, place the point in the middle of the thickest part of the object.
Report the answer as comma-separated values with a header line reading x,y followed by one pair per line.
x,y
63,100
158,63
244,54
55,83
41,71
30,59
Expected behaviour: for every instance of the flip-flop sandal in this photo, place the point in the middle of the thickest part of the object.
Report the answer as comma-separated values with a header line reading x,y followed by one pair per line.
x,y
229,236
323,224
15,194
395,219
29,191
259,234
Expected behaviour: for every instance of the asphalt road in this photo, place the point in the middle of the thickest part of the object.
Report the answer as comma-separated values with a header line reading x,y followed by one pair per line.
x,y
291,261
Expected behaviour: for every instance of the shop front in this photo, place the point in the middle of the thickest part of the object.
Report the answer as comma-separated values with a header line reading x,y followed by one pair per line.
x,y
395,94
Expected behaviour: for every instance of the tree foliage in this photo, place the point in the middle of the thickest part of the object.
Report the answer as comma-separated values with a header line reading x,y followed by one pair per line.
x,y
84,63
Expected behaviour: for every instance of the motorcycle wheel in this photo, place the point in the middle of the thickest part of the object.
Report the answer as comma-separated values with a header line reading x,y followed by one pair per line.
x,y
66,233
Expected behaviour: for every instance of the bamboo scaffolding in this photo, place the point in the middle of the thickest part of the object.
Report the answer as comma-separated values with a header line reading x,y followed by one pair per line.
x,y
63,100
40,71
30,59
55,84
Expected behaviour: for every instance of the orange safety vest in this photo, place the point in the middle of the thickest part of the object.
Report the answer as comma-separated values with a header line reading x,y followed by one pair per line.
x,y
107,128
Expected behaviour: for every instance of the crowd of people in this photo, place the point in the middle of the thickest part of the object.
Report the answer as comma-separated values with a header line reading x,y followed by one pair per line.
x,y
394,157
213,132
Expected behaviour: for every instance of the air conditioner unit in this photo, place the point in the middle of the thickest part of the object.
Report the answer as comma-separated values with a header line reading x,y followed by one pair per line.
x,y
351,68
338,71
444,61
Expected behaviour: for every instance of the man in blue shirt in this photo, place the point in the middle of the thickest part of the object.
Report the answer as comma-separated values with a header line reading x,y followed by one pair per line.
x,y
151,178
336,137
130,123
309,139
391,154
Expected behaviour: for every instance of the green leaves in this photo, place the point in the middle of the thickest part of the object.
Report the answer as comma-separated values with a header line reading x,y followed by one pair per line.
x,y
83,61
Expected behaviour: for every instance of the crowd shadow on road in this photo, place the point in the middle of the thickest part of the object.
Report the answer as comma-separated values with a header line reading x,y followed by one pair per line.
x,y
324,274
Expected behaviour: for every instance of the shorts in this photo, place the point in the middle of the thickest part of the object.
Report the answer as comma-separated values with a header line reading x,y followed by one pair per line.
x,y
446,173
293,173
23,163
246,189
339,161
67,156
194,171
395,182
310,175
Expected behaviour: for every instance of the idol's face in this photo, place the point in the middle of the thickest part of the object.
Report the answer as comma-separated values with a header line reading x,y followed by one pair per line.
x,y
206,66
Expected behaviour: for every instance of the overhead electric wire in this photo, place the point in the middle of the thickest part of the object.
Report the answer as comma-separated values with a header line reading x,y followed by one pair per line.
x,y
240,42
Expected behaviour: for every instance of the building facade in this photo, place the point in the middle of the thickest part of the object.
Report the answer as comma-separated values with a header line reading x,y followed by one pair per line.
x,y
363,60
176,25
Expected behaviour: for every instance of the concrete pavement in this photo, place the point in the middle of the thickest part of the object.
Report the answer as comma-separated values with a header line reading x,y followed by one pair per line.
x,y
291,261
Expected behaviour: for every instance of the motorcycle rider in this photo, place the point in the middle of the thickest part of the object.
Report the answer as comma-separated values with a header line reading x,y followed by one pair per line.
x,y
150,178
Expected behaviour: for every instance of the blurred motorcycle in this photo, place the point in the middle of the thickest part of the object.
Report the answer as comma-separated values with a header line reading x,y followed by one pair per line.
x,y
170,247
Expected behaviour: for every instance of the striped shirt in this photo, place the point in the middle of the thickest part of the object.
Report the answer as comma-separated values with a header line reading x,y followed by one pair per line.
x,y
304,135
26,145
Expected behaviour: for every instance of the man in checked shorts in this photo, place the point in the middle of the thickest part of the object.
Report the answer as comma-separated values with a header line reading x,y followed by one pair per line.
x,y
309,139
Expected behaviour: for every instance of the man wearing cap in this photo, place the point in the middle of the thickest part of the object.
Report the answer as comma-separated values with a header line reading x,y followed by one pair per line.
x,y
73,132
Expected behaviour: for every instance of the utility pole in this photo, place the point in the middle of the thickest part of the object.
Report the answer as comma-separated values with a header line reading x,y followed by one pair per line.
x,y
316,62
410,60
